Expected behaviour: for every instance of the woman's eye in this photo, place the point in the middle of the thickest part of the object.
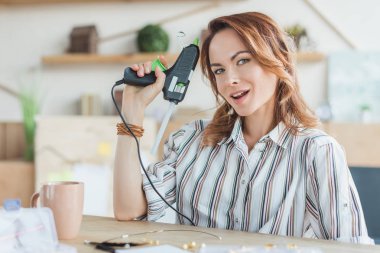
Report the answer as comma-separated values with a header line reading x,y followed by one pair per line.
x,y
242,61
218,71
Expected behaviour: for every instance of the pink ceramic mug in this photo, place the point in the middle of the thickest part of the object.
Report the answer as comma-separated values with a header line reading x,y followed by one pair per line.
x,y
65,199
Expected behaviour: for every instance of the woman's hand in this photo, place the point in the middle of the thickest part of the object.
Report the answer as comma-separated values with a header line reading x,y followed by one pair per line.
x,y
136,99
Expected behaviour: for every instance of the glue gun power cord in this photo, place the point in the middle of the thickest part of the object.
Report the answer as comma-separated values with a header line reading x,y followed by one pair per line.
x,y
139,155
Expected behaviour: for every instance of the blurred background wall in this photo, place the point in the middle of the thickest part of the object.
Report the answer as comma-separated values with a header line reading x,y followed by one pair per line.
x,y
73,147
30,31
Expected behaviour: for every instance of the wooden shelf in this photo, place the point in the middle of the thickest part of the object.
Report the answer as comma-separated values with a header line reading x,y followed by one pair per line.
x,y
16,2
104,59
310,56
139,57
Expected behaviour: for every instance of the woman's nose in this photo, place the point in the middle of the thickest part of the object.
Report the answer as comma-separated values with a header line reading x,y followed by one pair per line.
x,y
232,78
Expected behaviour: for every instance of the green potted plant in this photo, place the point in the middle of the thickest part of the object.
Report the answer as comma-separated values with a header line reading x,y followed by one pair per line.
x,y
297,32
30,109
152,38
365,112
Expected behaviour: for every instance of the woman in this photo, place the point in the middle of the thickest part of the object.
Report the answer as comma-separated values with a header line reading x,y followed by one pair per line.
x,y
259,165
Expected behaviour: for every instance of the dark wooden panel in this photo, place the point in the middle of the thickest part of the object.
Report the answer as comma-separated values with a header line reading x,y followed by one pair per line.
x,y
16,181
14,140
2,141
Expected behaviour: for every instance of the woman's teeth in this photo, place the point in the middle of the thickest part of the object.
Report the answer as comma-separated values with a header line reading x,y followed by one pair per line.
x,y
239,95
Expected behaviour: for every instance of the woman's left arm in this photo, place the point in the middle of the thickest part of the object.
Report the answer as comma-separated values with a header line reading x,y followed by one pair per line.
x,y
331,192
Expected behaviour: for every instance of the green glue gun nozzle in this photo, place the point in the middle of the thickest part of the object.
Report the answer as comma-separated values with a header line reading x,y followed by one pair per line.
x,y
196,41
158,64
177,77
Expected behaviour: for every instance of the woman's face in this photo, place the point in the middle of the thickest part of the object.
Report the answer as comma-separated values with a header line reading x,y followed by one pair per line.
x,y
240,79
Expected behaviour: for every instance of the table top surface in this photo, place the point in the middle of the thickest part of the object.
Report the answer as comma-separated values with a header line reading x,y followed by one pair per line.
x,y
103,228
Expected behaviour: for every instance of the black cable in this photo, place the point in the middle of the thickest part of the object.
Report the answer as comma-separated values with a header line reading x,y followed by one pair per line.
x,y
138,152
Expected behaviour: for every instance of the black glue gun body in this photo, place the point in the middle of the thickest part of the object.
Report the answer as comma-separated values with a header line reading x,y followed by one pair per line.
x,y
177,77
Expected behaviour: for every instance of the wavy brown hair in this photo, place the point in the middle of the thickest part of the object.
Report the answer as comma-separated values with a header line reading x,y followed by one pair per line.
x,y
272,48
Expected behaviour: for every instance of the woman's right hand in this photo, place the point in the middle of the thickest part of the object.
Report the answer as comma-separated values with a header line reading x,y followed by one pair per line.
x,y
136,99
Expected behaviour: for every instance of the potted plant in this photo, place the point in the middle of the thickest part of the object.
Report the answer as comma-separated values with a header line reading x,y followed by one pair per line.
x,y
297,32
152,38
30,109
365,113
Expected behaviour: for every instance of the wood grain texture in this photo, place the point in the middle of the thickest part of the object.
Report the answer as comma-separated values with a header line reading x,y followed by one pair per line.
x,y
310,56
104,59
101,228
141,57
16,181
94,1
360,142
15,140
2,141
12,140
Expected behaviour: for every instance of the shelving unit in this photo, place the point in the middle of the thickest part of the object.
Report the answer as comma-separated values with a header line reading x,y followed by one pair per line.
x,y
15,2
310,56
139,57
103,59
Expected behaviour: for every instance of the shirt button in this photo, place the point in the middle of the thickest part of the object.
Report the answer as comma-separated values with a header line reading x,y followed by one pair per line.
x,y
236,220
243,181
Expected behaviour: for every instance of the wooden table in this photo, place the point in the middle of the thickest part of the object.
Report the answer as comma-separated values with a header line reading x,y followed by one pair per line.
x,y
102,228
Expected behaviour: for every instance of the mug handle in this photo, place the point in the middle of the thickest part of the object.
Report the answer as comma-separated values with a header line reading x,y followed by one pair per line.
x,y
33,199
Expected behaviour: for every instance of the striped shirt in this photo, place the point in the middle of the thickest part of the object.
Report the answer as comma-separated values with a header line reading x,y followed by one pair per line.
x,y
293,185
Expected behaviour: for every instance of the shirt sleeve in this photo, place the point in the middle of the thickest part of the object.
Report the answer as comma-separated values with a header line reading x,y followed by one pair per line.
x,y
163,176
332,199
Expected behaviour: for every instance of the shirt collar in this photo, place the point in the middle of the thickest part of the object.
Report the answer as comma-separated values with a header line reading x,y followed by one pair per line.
x,y
279,134
236,134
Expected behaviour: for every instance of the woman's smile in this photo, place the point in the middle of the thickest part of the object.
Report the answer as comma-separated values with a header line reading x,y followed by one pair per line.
x,y
240,96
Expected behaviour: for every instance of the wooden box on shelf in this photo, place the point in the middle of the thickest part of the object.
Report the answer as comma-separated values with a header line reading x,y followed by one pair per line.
x,y
83,39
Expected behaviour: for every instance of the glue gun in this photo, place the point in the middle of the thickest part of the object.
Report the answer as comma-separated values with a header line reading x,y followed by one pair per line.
x,y
177,77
